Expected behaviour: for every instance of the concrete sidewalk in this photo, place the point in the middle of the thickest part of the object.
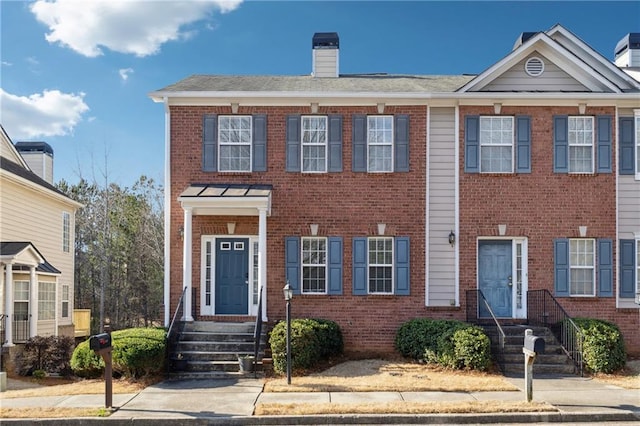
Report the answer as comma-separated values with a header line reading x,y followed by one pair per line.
x,y
232,401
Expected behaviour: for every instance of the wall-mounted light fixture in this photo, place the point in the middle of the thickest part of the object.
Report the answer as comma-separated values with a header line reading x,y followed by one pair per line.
x,y
314,229
452,238
181,232
582,108
583,231
637,298
381,228
231,228
497,107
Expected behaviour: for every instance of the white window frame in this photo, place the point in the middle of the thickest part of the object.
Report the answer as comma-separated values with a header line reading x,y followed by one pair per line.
x,y
637,144
320,265
66,232
65,301
577,267
227,143
306,138
46,301
23,293
378,265
491,144
384,143
580,135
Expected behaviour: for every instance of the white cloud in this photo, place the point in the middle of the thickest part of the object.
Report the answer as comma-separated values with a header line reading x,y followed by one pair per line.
x,y
125,26
124,73
50,113
6,64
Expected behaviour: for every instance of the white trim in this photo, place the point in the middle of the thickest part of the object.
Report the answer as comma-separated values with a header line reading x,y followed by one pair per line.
x,y
314,144
579,145
326,265
235,144
512,144
457,205
385,265
636,140
594,267
392,144
167,213
427,208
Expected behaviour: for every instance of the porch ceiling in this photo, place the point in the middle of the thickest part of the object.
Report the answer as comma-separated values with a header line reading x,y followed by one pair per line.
x,y
216,199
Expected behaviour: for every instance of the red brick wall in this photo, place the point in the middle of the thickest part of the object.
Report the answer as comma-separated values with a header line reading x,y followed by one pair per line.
x,y
344,204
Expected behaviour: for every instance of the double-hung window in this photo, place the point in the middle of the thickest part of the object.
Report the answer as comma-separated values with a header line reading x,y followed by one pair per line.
x,y
583,267
314,265
46,300
582,273
380,265
380,143
581,139
66,232
65,300
496,144
314,144
21,300
234,143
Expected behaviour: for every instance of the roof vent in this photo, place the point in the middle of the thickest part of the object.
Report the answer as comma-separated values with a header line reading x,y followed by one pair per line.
x,y
534,66
627,53
326,49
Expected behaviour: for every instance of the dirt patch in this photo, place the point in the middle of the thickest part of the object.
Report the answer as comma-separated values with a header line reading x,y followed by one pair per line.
x,y
628,378
78,387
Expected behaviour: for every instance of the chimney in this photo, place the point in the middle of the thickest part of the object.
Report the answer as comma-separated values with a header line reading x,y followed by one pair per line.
x,y
326,54
39,158
627,53
522,38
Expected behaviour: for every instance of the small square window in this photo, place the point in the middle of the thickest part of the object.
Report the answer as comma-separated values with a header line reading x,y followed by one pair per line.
x,y
238,245
225,245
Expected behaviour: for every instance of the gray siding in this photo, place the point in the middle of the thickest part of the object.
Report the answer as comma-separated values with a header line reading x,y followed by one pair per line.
x,y
629,202
553,79
441,193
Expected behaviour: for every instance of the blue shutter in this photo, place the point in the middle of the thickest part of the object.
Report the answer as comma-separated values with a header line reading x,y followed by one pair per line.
x,y
604,144
561,267
523,144
360,266
401,143
335,143
359,143
605,267
627,150
561,144
335,265
292,262
472,144
627,268
260,143
402,271
293,143
209,143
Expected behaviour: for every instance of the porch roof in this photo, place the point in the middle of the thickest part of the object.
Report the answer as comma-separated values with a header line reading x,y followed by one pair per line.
x,y
23,254
220,199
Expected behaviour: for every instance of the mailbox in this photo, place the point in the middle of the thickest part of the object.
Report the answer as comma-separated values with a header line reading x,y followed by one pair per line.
x,y
534,344
100,342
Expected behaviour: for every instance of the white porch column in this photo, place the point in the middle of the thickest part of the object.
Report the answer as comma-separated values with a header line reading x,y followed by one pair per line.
x,y
33,302
186,264
8,326
262,259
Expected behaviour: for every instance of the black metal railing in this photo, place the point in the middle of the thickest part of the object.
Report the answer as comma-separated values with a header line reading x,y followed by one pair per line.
x,y
21,330
544,310
475,299
175,329
3,325
257,333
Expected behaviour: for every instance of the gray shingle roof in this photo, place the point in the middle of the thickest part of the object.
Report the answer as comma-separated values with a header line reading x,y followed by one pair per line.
x,y
345,83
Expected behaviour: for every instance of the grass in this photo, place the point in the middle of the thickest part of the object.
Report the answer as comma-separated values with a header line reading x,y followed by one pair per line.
x,y
79,387
628,378
52,413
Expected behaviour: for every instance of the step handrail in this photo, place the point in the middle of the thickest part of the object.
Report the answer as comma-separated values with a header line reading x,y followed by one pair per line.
x,y
172,334
257,333
501,333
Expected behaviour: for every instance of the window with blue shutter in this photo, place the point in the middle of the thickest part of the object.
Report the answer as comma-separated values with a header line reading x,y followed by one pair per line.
x,y
260,143
209,143
523,144
472,144
292,263
293,143
628,270
335,143
381,265
335,265
560,144
627,158
605,267
359,143
401,143
604,144
360,253
402,271
561,267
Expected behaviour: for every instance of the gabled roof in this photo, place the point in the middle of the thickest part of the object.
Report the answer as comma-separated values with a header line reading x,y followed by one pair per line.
x,y
8,150
24,253
571,54
27,174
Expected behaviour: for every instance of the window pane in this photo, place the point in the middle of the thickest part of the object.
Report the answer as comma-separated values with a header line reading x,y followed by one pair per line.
x,y
380,158
582,264
314,268
496,159
234,137
46,301
380,143
580,159
381,265
496,144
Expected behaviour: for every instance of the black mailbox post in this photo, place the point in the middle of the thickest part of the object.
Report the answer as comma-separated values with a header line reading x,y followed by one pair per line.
x,y
533,345
101,345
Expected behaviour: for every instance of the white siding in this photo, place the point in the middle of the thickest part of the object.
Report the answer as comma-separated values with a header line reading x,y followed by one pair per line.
x,y
441,193
629,202
325,62
553,79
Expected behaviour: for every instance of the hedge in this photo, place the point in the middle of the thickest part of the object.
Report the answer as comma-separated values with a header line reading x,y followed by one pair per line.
x,y
603,347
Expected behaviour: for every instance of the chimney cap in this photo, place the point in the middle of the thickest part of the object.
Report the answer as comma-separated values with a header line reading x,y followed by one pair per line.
x,y
630,41
325,40
42,147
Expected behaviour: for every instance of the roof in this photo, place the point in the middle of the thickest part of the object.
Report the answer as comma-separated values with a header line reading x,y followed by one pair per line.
x,y
349,83
34,146
20,171
12,248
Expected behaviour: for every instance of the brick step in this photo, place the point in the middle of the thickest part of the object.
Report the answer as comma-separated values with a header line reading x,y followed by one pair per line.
x,y
202,375
514,358
215,356
216,336
512,368
215,346
219,327
550,349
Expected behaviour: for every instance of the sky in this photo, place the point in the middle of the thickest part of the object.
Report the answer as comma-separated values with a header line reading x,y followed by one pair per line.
x,y
77,74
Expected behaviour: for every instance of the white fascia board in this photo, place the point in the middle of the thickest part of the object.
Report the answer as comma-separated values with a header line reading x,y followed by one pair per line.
x,y
42,190
13,149
241,206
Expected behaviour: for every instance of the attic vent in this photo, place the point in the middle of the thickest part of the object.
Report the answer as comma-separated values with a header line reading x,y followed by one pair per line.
x,y
534,67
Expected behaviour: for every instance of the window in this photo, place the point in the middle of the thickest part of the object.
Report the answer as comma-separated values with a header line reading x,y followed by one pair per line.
x,y
314,265
380,143
235,139
638,266
21,300
314,144
65,301
46,300
637,147
66,231
582,267
581,137
381,265
496,144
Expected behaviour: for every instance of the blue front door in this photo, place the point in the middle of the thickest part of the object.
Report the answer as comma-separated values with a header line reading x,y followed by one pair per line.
x,y
495,277
232,276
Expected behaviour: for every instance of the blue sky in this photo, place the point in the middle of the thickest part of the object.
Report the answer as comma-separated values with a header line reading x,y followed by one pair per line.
x,y
77,74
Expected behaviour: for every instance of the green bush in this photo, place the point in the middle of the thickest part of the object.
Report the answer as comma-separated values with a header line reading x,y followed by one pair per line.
x,y
311,341
603,347
136,352
51,354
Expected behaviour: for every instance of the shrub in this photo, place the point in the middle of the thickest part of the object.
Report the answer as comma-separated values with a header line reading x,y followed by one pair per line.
x,y
50,354
136,352
311,341
603,347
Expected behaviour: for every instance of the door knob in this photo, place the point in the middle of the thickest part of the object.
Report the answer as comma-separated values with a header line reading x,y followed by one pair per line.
x,y
510,282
